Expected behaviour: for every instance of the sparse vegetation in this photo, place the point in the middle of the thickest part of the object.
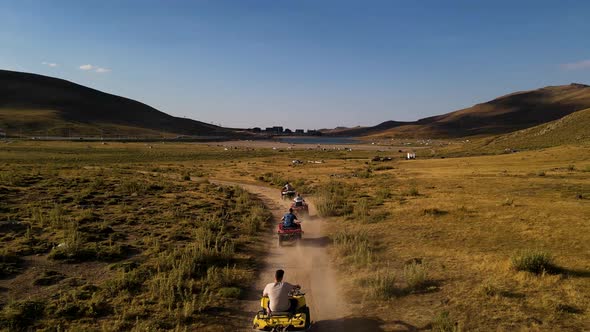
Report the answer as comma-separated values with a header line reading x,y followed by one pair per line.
x,y
144,247
332,199
382,285
416,276
134,214
354,247
443,323
534,261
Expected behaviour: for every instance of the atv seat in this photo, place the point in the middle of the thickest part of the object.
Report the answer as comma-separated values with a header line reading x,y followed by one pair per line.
x,y
280,313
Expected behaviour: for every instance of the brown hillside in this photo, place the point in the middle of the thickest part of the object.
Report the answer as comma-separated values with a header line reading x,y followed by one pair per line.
x,y
33,104
502,115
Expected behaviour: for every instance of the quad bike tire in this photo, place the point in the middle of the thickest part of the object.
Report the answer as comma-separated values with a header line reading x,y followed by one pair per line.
x,y
305,310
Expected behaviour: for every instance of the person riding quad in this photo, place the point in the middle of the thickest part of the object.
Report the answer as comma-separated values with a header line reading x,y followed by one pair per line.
x,y
288,187
289,219
299,200
278,294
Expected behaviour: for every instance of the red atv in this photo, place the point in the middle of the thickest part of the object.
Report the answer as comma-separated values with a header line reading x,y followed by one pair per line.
x,y
290,234
300,208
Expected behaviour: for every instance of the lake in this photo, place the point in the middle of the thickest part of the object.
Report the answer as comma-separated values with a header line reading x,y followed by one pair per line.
x,y
319,140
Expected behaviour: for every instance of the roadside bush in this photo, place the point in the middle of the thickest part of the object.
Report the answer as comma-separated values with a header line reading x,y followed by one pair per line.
x,y
444,323
413,191
416,276
130,187
186,176
230,292
21,315
488,289
381,195
382,285
361,209
355,247
332,199
533,261
9,263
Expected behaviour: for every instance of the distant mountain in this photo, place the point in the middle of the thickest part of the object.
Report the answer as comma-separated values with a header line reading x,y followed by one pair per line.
x,y
33,104
502,115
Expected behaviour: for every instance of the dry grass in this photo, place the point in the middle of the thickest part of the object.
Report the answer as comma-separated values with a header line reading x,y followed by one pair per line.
x,y
461,218
465,218
116,244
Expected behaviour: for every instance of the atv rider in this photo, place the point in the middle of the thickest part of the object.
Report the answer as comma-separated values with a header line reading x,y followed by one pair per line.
x,y
289,219
278,294
299,200
288,187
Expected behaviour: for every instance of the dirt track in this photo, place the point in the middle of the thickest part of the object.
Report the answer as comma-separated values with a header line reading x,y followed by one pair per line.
x,y
307,264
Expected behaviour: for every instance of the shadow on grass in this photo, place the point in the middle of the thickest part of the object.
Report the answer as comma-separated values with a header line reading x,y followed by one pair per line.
x,y
511,295
349,324
429,286
573,273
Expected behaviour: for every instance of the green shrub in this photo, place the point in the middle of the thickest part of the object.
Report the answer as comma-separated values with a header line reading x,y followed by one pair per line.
x,y
9,263
230,292
130,187
332,199
381,195
444,323
488,289
533,261
416,276
21,315
413,191
355,247
361,209
382,285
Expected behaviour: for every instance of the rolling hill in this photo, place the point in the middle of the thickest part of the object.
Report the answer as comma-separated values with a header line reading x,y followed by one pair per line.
x,y
502,115
571,129
32,104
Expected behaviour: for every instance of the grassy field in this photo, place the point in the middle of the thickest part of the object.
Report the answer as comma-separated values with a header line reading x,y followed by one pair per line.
x,y
96,238
471,243
116,237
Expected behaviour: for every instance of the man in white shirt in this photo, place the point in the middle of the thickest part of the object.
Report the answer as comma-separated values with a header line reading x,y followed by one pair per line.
x,y
278,294
299,200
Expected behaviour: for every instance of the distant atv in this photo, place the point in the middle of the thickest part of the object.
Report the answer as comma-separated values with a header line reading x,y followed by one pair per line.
x,y
288,194
291,234
266,320
300,208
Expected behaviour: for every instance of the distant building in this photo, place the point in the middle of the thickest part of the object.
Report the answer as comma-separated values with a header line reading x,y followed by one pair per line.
x,y
299,131
277,129
268,129
256,130
288,131
314,132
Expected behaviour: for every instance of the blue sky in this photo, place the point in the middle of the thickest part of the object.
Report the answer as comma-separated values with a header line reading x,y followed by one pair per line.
x,y
300,63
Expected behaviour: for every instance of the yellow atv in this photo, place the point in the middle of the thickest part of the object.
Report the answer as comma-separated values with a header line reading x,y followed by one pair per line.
x,y
283,321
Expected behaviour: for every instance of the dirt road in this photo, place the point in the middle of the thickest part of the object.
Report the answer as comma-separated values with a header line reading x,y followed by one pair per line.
x,y
308,265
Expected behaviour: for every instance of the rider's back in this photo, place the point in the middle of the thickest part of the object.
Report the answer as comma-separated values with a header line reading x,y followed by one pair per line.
x,y
288,220
278,295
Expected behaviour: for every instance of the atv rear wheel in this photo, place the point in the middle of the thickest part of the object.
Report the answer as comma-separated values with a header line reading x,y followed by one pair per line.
x,y
305,310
